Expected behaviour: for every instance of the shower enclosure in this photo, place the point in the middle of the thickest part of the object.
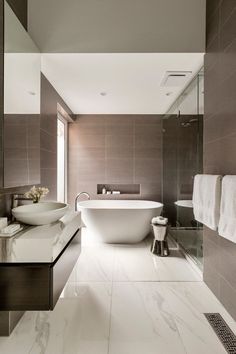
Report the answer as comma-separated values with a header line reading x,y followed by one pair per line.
x,y
182,160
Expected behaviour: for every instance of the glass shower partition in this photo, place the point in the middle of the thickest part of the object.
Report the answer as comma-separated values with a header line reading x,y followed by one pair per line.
x,y
182,160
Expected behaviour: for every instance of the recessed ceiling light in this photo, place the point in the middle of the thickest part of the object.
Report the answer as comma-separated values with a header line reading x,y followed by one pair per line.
x,y
103,93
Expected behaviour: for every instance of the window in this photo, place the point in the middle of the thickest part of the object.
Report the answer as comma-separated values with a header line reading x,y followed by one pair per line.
x,y
61,158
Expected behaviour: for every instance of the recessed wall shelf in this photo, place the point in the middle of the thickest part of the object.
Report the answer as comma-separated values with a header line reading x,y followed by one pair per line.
x,y
122,188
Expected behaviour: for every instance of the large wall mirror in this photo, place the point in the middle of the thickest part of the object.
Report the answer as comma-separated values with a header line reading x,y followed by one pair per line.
x,y
21,104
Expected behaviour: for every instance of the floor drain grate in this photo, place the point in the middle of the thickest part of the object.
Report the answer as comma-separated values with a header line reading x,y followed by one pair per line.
x,y
223,331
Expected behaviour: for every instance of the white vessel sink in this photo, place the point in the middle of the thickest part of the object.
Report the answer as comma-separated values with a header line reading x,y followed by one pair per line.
x,y
40,213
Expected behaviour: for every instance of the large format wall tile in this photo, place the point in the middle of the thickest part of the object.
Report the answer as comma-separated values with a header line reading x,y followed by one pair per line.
x,y
119,152
118,141
119,129
220,138
15,138
91,171
21,177
48,135
90,140
147,170
119,170
86,153
48,141
21,150
147,153
147,140
227,296
48,159
115,149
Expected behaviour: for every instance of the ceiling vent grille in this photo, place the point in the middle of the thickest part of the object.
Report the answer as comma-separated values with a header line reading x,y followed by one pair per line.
x,y
175,78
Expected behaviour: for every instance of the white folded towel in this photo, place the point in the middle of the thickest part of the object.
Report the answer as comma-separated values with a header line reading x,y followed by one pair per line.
x,y
227,224
206,199
159,220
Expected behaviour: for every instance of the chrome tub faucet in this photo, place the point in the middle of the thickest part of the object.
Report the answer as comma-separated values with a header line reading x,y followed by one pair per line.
x,y
77,197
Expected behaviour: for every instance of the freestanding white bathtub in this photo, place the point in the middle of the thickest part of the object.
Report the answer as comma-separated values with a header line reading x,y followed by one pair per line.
x,y
118,221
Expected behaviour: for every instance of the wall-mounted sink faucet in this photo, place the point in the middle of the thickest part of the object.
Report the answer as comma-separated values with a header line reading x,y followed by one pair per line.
x,y
17,197
15,202
77,197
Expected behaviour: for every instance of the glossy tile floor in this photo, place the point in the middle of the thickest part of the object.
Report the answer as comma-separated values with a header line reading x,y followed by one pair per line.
x,y
124,300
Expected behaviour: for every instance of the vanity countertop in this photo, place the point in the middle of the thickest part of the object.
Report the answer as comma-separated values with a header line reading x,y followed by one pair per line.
x,y
40,244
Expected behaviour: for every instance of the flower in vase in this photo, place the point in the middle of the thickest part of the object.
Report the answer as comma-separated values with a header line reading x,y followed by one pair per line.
x,y
36,193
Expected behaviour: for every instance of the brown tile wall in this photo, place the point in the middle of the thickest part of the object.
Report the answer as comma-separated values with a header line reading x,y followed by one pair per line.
x,y
47,140
220,138
20,8
21,149
48,135
115,149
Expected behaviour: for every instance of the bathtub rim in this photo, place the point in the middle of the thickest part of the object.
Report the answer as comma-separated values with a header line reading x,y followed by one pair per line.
x,y
152,205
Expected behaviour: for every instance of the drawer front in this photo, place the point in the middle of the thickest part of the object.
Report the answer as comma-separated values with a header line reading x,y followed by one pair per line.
x,y
24,287
62,269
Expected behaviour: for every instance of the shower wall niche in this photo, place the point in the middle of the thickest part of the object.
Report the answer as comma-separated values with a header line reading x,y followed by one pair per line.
x,y
182,160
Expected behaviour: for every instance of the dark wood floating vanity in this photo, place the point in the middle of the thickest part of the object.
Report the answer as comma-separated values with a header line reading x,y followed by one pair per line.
x,y
35,266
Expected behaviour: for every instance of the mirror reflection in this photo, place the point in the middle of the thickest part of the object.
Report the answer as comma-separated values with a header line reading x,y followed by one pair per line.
x,y
21,104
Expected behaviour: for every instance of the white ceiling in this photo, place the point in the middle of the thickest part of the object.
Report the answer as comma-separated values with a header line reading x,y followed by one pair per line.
x,y
21,68
132,82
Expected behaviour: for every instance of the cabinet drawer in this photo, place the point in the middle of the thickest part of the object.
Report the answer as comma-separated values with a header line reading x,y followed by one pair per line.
x,y
24,287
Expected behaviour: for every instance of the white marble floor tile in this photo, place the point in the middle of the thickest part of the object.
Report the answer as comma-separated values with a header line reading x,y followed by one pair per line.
x,y
187,305
94,264
134,264
174,268
86,290
199,297
22,338
148,240
88,240
139,264
79,324
141,321
121,299
72,329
